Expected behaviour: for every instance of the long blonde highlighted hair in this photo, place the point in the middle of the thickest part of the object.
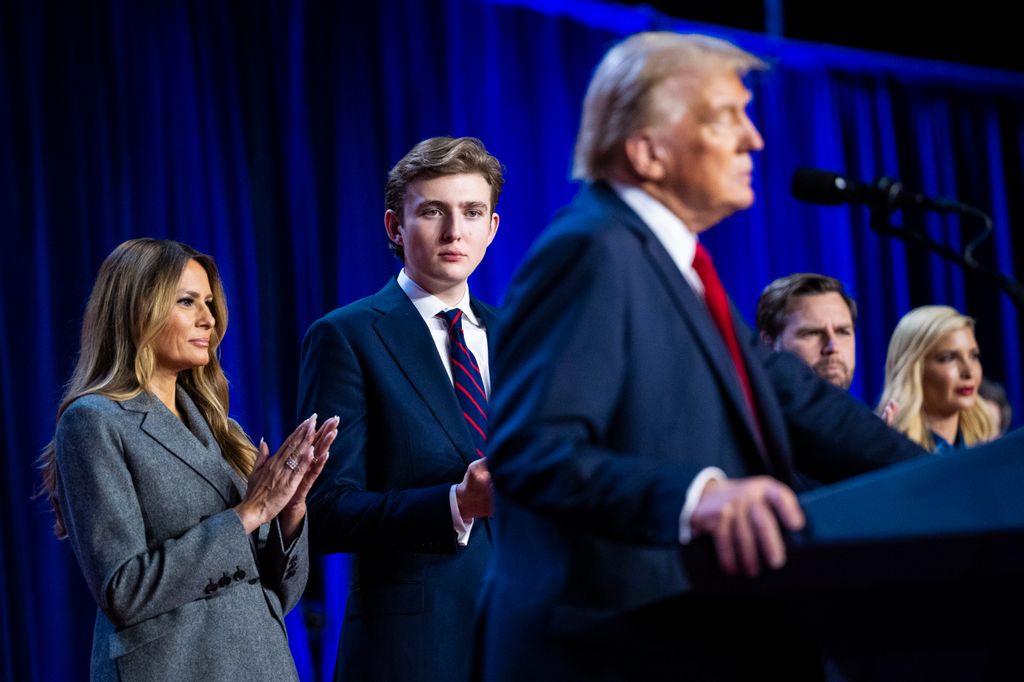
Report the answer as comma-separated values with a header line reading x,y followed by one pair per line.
x,y
913,339
127,310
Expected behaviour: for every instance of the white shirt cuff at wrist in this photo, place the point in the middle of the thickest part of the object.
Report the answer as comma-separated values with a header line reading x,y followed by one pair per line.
x,y
462,528
693,494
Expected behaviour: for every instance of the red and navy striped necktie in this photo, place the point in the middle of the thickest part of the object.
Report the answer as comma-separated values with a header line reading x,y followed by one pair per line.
x,y
469,384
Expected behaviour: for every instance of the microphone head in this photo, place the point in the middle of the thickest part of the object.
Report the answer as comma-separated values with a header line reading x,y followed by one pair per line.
x,y
822,187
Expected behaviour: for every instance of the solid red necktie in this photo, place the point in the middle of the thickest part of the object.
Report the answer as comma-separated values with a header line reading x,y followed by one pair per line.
x,y
718,306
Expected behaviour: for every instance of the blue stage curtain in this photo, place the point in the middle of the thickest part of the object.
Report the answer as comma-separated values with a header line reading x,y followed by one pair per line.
x,y
262,132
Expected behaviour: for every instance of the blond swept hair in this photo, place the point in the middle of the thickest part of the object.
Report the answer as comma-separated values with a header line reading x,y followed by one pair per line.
x,y
127,310
915,336
624,94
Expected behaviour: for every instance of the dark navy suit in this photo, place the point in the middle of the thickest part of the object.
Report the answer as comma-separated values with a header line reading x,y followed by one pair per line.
x,y
402,443
613,390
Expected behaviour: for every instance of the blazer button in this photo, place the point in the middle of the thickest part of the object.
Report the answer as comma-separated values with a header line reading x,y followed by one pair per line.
x,y
239,574
225,580
254,581
212,587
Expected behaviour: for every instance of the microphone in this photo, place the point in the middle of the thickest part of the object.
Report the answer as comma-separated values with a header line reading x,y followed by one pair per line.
x,y
824,187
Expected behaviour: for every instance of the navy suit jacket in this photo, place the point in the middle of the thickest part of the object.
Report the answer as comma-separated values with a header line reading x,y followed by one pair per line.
x,y
613,389
402,443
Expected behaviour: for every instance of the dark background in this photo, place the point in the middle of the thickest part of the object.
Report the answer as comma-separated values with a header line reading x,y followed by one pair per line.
x,y
261,132
979,33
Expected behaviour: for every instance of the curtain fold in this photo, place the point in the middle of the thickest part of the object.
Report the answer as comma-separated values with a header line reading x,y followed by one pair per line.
x,y
262,134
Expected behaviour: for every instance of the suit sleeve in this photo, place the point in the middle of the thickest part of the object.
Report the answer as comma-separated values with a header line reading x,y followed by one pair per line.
x,y
130,580
560,373
285,569
346,516
834,436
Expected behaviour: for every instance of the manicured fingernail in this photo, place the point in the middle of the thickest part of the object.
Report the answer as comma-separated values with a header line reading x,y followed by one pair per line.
x,y
261,442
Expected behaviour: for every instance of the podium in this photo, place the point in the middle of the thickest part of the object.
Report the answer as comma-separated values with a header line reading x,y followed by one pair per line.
x,y
914,572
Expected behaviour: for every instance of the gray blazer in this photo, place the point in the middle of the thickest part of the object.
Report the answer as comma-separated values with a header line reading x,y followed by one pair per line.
x,y
183,591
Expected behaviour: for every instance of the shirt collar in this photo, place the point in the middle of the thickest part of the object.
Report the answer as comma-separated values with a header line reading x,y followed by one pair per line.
x,y
429,305
942,446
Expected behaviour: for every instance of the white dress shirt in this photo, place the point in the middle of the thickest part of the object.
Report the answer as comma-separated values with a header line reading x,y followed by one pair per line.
x,y
681,244
428,306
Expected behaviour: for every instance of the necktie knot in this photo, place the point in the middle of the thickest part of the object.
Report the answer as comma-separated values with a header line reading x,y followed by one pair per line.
x,y
453,316
704,266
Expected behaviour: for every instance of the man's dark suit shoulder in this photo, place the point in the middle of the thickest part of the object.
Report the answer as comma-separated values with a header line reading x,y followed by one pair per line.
x,y
354,315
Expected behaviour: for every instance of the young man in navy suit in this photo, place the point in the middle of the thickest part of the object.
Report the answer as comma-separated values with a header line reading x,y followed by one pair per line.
x,y
634,409
406,488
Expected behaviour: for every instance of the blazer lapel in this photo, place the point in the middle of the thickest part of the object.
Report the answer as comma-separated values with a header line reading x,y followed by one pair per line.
x,y
691,307
773,424
171,433
486,314
201,431
710,339
407,339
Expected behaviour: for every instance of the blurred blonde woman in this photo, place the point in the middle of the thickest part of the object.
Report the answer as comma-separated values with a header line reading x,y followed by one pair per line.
x,y
932,375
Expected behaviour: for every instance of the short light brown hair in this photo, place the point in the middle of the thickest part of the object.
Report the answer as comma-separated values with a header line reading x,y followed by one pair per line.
x,y
624,94
777,299
436,157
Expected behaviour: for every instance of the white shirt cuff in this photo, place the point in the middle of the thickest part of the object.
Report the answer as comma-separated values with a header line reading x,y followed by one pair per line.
x,y
462,528
693,494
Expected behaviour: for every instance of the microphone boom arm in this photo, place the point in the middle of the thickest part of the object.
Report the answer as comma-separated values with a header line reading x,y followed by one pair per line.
x,y
1014,289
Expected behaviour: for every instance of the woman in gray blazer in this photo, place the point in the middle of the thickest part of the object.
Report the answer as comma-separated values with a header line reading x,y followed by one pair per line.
x,y
192,540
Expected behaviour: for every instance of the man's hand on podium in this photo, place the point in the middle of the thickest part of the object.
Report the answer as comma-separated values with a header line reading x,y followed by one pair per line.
x,y
742,516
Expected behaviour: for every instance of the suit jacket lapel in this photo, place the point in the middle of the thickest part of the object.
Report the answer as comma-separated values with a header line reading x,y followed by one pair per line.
x,y
170,432
692,308
486,315
710,339
201,430
407,339
773,424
